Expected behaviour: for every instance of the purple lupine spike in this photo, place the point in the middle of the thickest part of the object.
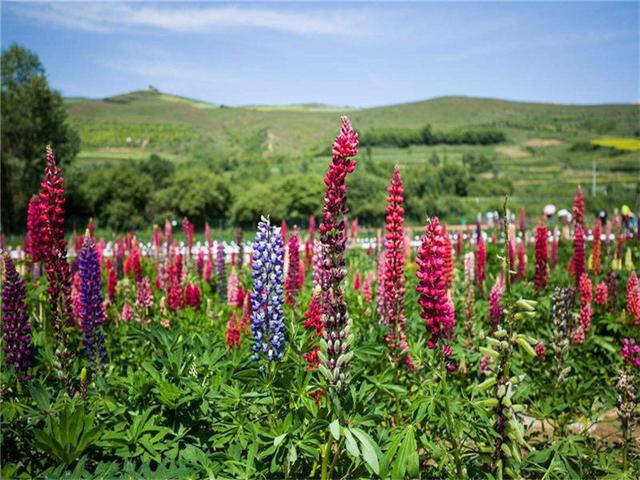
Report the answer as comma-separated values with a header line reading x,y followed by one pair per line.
x,y
267,318
15,321
221,271
92,312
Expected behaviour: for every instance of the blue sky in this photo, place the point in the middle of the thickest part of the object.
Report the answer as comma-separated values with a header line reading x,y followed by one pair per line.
x,y
358,54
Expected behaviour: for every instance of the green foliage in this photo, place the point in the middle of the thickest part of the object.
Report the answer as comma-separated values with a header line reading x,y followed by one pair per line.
x,y
33,116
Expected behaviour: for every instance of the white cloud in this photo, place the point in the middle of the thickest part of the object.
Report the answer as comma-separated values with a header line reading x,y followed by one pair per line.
x,y
109,17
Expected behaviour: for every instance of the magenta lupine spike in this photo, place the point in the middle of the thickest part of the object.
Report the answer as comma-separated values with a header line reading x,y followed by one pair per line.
x,y
436,308
481,260
495,309
187,228
336,348
58,272
37,235
540,277
157,240
578,207
394,279
168,235
586,295
232,287
318,269
367,287
144,295
207,235
200,262
292,284
221,270
522,261
381,308
578,259
15,321
633,298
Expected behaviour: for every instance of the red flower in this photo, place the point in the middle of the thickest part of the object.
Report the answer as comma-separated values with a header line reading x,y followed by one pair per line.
x,y
233,332
601,293
578,261
481,261
596,249
578,207
540,277
436,307
633,298
37,239
313,321
293,274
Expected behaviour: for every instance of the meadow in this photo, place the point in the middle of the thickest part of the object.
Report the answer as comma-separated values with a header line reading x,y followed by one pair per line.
x,y
508,349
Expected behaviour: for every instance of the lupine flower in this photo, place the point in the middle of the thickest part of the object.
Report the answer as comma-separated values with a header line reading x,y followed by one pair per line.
x,y
469,298
15,321
233,332
37,236
540,350
76,306
58,273
187,228
586,295
601,293
240,243
554,249
459,243
578,260
630,352
611,280
448,258
313,322
112,281
522,261
380,304
607,233
267,319
367,290
337,353
596,249
165,323
232,288
221,270
293,273
172,285
357,282
208,270
633,298
168,235
394,279
578,207
127,312
200,262
495,309
318,269
540,277
522,221
144,295
92,312
157,240
436,308
192,295
283,231
481,261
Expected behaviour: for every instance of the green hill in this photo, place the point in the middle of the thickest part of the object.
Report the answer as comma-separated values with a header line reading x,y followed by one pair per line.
x,y
150,120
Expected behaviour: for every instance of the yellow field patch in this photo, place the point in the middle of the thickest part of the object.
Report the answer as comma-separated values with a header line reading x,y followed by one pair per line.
x,y
631,144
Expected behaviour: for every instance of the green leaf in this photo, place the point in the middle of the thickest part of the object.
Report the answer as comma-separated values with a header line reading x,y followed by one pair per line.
x,y
370,449
334,427
350,443
279,439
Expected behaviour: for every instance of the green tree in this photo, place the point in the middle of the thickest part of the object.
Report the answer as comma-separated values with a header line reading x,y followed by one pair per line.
x,y
33,115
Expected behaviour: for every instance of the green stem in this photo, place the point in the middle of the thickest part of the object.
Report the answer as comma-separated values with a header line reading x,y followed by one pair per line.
x,y
625,448
336,456
325,459
452,437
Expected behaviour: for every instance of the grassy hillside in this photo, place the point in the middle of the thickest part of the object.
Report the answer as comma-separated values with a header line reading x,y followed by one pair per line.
x,y
549,149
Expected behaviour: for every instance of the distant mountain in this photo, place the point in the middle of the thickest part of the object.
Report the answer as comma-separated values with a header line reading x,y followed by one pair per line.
x,y
149,119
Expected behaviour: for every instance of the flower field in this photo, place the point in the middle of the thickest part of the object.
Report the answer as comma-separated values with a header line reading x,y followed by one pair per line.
x,y
502,350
